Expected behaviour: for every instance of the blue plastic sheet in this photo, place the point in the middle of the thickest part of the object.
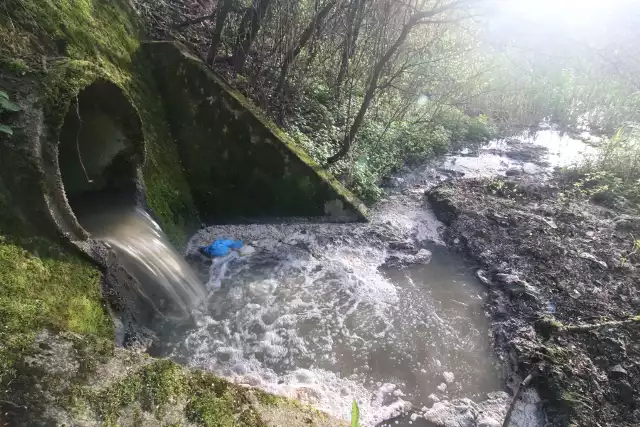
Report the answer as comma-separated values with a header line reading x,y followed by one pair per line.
x,y
221,247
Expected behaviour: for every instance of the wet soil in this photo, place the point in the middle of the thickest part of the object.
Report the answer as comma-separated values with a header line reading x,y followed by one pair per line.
x,y
557,265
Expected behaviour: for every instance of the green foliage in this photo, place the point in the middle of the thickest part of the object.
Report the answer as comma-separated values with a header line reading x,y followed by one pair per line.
x,y
382,147
612,175
355,414
7,105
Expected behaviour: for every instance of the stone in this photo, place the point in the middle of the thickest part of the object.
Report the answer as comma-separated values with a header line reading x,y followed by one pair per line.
x,y
448,377
593,258
513,172
423,256
482,277
247,250
488,422
617,372
442,387
625,390
402,245
518,287
458,413
432,397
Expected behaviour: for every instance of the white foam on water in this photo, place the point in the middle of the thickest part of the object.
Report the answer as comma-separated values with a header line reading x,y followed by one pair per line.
x,y
311,315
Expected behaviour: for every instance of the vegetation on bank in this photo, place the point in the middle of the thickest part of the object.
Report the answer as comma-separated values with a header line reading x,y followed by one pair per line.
x,y
610,176
383,84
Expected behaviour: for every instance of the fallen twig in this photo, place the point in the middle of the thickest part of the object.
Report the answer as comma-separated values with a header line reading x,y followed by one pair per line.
x,y
195,20
523,385
589,327
15,405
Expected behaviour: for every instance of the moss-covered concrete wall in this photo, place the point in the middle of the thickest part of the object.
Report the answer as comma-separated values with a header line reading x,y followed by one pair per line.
x,y
238,163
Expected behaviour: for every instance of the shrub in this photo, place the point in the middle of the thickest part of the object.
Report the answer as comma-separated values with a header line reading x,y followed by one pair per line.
x,y
613,173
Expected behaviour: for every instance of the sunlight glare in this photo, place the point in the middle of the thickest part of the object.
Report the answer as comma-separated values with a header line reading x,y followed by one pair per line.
x,y
572,13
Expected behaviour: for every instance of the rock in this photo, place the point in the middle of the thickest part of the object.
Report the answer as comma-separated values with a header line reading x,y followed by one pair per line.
x,y
617,372
442,387
247,250
518,287
625,391
448,377
626,223
513,172
396,181
457,413
593,258
402,245
432,397
488,422
482,277
423,256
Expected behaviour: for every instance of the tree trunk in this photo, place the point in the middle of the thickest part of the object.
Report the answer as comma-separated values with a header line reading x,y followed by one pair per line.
x,y
222,12
346,49
252,19
293,53
377,70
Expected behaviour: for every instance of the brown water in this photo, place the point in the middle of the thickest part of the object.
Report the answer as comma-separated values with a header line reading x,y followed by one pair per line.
x,y
316,314
313,314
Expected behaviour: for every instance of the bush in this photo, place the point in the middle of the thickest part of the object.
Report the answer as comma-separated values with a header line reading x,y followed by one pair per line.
x,y
613,174
380,149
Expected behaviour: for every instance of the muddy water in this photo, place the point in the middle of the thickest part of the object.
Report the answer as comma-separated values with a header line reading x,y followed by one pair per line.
x,y
329,313
313,314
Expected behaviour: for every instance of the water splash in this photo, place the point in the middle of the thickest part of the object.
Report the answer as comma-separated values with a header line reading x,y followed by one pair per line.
x,y
167,282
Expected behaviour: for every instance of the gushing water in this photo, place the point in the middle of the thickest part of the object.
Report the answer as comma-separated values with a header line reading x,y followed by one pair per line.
x,y
167,282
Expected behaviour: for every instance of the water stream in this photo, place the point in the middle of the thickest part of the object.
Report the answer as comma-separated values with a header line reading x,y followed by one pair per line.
x,y
326,313
166,281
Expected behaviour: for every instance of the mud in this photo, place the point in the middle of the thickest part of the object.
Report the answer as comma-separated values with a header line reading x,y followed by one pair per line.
x,y
552,259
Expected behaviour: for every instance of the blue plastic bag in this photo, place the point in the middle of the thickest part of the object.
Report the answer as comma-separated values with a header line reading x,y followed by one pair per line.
x,y
221,247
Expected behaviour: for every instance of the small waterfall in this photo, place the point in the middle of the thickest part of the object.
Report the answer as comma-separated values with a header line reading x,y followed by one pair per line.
x,y
167,281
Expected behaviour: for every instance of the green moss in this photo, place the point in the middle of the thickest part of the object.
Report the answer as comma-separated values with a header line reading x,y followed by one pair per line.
x,y
154,387
100,30
215,402
53,290
209,401
241,164
45,288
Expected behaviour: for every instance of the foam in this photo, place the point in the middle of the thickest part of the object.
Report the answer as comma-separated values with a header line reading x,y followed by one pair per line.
x,y
311,315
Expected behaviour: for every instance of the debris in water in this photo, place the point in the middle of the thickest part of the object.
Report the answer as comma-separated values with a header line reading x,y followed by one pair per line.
x,y
221,247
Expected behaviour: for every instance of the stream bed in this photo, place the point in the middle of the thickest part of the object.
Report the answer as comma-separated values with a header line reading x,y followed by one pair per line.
x,y
380,312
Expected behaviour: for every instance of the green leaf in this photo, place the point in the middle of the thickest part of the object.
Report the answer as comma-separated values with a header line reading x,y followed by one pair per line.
x,y
4,95
8,105
6,129
355,414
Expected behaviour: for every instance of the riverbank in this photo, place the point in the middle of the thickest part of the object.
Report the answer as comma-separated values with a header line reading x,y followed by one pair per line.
x,y
561,269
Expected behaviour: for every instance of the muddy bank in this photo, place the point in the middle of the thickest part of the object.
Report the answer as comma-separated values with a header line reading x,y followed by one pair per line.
x,y
552,260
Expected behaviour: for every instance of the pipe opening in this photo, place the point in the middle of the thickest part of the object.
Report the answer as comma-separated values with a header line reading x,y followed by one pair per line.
x,y
101,148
